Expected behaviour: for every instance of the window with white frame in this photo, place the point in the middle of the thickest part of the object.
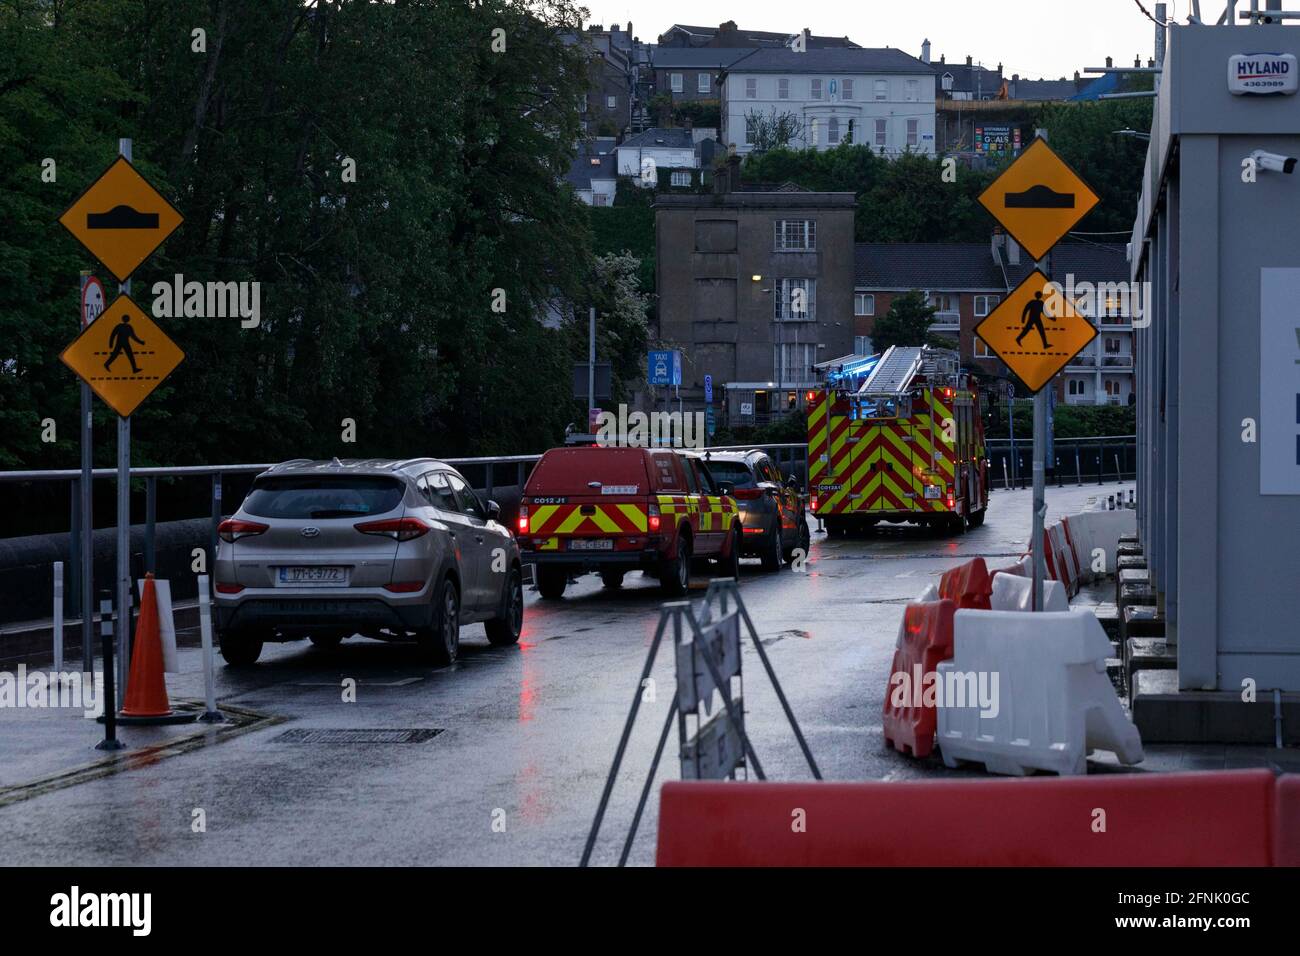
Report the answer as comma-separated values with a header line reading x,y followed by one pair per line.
x,y
792,363
848,136
795,300
814,133
751,88
846,89
913,132
1074,386
864,303
681,177
783,88
703,83
912,90
815,89
862,345
833,130
882,89
675,82
984,304
982,350
881,128
750,128
611,102
943,302
796,235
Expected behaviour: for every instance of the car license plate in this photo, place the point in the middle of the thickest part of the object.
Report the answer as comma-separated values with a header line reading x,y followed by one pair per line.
x,y
591,544
311,577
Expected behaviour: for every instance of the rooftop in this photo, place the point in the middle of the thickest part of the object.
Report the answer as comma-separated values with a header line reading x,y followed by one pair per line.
x,y
880,60
662,136
971,266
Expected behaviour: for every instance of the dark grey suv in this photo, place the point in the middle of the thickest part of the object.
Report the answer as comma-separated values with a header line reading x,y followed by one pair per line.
x,y
773,521
395,550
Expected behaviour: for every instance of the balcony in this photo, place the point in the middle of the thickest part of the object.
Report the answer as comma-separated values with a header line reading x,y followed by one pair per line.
x,y
1083,360
1117,361
1115,322
946,322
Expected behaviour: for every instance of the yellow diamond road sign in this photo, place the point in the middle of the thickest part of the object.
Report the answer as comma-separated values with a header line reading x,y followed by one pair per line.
x,y
1038,199
123,355
121,219
1036,331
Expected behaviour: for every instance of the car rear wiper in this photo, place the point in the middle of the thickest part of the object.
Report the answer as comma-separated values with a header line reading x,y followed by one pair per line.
x,y
338,513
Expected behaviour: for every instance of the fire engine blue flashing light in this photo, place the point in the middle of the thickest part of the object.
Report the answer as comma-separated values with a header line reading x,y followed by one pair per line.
x,y
854,370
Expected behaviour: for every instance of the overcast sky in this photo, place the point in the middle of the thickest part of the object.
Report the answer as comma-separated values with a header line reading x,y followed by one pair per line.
x,y
1039,39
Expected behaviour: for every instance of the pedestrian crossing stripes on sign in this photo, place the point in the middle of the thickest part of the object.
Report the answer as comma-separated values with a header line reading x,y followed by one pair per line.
x,y
123,356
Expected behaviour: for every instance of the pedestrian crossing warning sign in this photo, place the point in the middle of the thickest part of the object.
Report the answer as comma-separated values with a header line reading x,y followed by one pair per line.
x,y
1036,331
123,356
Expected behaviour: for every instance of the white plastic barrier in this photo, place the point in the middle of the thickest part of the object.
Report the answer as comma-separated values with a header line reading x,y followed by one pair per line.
x,y
1079,533
1045,677
1067,569
931,593
1106,527
1012,592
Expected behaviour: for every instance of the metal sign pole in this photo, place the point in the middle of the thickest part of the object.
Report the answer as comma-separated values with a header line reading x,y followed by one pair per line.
x,y
86,491
123,518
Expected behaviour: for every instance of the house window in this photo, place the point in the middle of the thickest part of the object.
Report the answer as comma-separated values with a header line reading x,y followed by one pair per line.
x,y
611,102
880,132
913,130
792,363
1112,387
814,132
783,89
882,89
864,303
848,137
862,345
681,177
815,90
1075,386
912,90
846,89
832,130
1112,346
703,83
675,80
982,350
942,302
796,235
796,300
751,88
984,304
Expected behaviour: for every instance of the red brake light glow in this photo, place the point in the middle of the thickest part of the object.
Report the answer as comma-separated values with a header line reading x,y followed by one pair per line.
x,y
229,588
653,518
232,529
404,587
747,494
523,519
399,529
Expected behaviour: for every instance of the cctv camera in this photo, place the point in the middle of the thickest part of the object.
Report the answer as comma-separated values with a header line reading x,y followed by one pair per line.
x,y
1273,162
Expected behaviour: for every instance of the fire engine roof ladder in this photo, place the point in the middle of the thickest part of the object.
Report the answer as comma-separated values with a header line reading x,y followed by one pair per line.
x,y
894,375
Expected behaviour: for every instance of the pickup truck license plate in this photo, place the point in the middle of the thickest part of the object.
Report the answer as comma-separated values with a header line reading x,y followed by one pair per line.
x,y
591,544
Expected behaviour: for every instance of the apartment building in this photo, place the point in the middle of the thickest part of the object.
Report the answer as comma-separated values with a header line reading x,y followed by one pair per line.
x,y
728,35
964,282
687,73
884,98
755,286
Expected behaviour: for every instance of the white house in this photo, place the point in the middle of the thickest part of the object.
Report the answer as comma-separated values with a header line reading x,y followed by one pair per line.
x,y
592,173
883,98
642,155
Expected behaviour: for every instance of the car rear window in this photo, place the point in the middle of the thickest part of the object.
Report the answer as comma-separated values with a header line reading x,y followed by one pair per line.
x,y
323,496
736,472
566,471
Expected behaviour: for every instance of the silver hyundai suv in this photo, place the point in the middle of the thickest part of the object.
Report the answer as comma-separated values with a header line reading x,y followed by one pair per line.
x,y
393,550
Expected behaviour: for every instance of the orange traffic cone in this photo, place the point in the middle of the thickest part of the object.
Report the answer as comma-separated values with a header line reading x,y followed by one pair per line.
x,y
146,690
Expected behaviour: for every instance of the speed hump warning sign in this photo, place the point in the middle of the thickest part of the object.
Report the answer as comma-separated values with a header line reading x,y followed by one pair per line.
x,y
1036,331
1038,199
123,355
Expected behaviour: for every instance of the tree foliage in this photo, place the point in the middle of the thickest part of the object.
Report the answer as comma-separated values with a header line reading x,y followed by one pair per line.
x,y
377,295
773,130
907,323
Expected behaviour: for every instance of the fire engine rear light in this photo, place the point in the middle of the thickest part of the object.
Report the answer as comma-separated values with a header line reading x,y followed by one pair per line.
x,y
399,529
814,502
523,519
952,501
653,518
232,529
229,588
404,587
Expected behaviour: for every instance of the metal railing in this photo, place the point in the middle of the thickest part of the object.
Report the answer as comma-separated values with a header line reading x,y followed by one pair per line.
x,y
1101,459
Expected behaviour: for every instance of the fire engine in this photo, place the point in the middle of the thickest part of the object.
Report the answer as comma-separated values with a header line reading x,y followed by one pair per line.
x,y
897,437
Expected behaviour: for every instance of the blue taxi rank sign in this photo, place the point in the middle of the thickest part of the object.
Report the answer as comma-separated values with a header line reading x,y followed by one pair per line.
x,y
664,368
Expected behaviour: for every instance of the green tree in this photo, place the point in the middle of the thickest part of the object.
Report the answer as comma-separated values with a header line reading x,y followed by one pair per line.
x,y
907,323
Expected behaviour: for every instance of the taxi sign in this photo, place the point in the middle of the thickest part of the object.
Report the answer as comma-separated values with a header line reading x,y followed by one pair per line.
x,y
1036,331
121,219
123,356
1038,199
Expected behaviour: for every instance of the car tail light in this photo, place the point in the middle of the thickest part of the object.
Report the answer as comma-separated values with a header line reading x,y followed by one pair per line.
x,y
653,514
814,502
952,499
747,494
399,529
232,529
404,587
229,588
523,519
754,530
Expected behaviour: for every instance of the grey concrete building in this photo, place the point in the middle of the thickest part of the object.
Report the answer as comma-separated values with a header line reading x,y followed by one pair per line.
x,y
1219,384
755,286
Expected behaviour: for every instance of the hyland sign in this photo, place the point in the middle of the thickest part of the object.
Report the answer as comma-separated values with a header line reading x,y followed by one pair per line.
x,y
1262,73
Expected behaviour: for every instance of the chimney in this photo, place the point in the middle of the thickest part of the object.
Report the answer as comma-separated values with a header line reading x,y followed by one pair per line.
x,y
1013,252
1076,77
806,34
968,59
1109,62
1137,61
1015,77
925,51
943,58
